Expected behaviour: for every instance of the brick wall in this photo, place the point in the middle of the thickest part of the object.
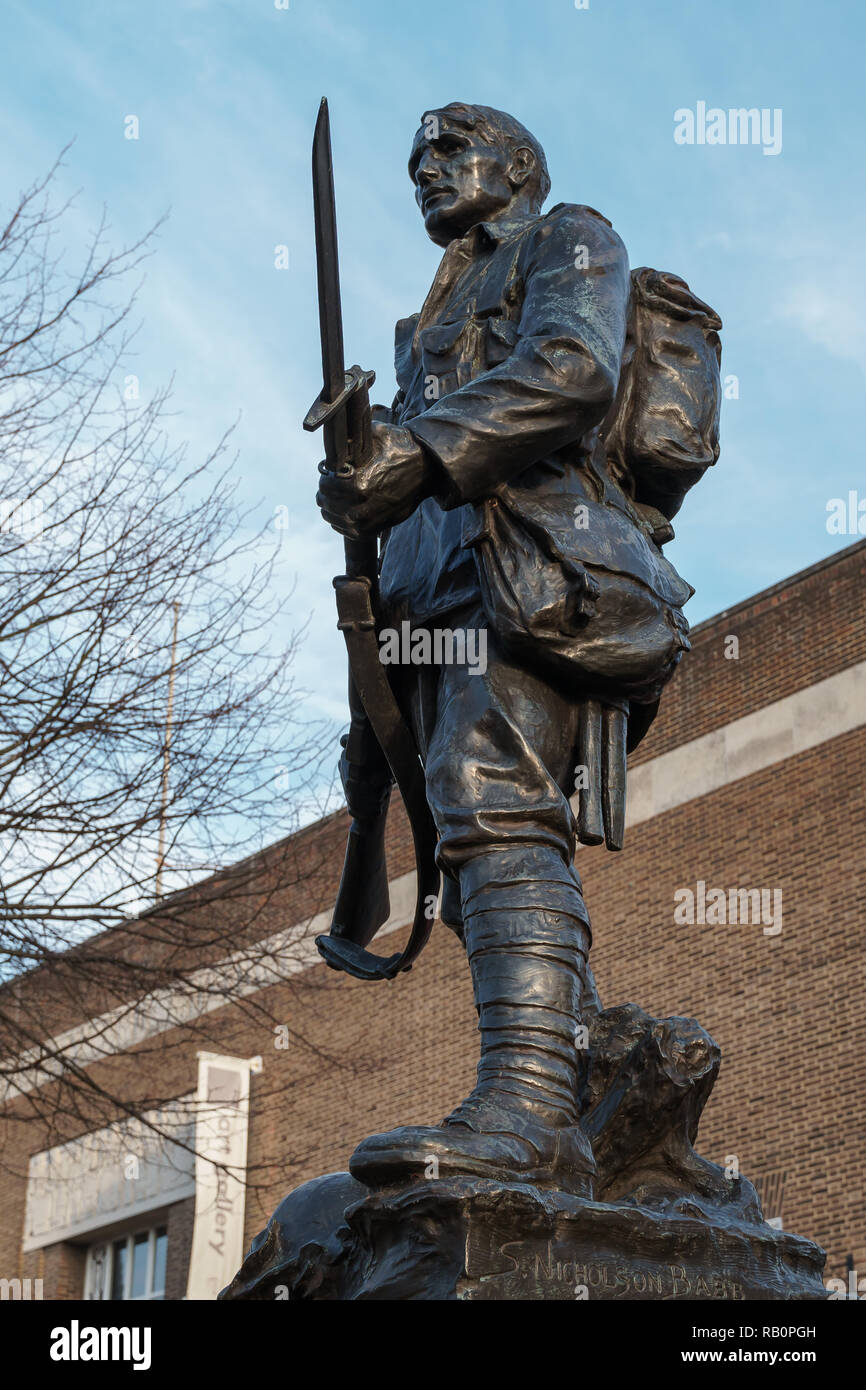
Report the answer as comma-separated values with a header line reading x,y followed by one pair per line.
x,y
64,1270
179,1228
790,636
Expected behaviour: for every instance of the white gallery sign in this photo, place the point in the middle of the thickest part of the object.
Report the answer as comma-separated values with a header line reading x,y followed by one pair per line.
x,y
222,1121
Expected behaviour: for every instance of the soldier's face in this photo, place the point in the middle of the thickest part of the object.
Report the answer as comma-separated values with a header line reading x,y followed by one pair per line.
x,y
459,179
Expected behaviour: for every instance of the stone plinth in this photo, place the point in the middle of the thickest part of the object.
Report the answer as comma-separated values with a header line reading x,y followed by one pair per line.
x,y
470,1239
666,1223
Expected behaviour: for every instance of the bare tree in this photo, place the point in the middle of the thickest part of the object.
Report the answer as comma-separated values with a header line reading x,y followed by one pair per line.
x,y
150,731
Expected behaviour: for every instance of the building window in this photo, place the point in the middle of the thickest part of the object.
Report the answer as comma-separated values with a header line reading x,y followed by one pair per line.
x,y
129,1267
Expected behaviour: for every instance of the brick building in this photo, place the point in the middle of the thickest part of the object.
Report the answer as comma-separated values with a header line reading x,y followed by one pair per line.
x,y
751,778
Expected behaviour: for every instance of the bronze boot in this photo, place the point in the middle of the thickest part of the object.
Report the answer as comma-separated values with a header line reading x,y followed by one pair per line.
x,y
527,941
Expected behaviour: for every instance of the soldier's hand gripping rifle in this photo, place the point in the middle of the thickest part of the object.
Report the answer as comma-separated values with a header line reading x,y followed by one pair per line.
x,y
379,742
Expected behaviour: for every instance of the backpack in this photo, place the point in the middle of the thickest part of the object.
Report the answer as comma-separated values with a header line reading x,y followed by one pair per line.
x,y
662,432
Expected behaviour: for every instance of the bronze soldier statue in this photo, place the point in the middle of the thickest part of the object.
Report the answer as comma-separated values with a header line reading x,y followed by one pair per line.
x,y
553,409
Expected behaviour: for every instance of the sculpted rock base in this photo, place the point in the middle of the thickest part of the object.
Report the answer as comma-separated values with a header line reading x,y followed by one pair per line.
x,y
464,1238
666,1224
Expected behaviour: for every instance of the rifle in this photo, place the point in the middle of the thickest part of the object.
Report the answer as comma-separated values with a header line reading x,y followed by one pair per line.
x,y
379,744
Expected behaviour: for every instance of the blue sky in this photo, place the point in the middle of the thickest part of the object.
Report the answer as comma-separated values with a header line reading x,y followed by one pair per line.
x,y
226,93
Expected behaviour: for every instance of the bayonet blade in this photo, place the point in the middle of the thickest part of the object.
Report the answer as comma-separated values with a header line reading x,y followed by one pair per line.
x,y
328,272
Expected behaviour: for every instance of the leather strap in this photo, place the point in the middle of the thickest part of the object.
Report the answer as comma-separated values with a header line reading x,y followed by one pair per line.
x,y
358,625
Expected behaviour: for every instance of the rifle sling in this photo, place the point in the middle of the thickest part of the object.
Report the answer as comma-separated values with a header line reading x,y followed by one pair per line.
x,y
358,626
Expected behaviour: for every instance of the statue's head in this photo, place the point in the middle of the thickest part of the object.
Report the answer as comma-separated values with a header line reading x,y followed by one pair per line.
x,y
473,164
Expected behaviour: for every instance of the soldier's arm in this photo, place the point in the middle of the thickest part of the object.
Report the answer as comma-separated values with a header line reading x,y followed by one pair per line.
x,y
561,376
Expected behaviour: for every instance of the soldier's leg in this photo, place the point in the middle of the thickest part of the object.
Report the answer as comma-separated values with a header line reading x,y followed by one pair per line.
x,y
527,939
498,762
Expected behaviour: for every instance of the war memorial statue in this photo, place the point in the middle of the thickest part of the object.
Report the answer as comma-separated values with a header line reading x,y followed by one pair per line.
x,y
554,408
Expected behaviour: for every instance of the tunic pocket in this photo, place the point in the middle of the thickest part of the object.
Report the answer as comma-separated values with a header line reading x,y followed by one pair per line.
x,y
500,338
451,354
